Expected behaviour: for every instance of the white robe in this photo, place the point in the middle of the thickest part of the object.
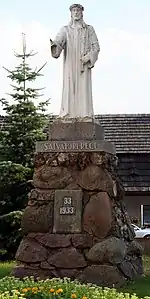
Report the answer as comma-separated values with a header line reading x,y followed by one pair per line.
x,y
77,84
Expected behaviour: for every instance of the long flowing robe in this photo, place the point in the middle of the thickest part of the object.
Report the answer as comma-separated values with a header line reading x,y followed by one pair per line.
x,y
76,42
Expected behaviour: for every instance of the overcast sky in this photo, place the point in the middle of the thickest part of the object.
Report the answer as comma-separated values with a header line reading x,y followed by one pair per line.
x,y
121,77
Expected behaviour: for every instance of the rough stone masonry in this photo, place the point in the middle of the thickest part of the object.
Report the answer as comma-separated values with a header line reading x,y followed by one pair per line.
x,y
75,224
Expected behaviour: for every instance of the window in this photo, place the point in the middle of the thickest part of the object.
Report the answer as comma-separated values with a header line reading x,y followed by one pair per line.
x,y
145,215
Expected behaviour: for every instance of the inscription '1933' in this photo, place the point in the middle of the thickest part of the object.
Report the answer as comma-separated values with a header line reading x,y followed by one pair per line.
x,y
67,209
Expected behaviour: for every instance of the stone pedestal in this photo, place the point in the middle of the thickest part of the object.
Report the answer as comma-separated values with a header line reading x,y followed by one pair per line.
x,y
75,224
76,131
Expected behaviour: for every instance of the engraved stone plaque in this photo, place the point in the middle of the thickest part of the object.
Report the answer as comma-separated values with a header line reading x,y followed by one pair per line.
x,y
67,211
75,146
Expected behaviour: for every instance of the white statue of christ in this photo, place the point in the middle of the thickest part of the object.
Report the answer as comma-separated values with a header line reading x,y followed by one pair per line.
x,y
81,48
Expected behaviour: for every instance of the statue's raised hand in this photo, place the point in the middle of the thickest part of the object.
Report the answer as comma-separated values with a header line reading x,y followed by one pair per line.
x,y
53,44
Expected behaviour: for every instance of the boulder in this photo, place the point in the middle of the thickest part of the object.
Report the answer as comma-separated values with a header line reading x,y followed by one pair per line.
x,y
97,216
46,265
96,178
30,251
135,248
23,271
111,250
41,195
50,177
103,275
68,258
82,241
38,218
137,263
128,270
54,240
98,158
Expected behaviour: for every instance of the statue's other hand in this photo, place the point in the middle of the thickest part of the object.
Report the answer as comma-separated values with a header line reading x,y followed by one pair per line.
x,y
85,59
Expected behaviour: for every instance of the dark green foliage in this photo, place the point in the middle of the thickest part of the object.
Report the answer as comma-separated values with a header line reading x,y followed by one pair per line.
x,y
13,198
10,224
26,120
13,186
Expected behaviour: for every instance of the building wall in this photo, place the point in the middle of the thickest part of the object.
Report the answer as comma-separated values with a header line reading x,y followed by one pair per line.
x,y
133,204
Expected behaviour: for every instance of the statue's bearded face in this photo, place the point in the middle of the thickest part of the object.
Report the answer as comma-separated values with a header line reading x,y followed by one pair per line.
x,y
76,13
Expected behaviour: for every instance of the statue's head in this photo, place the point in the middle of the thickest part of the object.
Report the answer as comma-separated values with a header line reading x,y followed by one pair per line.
x,y
76,11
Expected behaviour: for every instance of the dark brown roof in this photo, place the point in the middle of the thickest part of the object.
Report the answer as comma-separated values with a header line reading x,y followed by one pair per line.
x,y
129,132
134,171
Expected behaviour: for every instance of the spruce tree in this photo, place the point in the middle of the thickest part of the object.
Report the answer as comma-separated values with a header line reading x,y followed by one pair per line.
x,y
26,120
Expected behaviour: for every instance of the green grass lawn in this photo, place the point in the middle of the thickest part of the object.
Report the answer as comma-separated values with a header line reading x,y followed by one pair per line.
x,y
5,269
141,286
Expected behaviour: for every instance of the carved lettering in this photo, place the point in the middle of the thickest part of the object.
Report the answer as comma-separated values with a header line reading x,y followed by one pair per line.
x,y
58,146
74,146
65,146
66,210
51,147
95,146
91,146
69,146
86,145
45,146
67,200
81,145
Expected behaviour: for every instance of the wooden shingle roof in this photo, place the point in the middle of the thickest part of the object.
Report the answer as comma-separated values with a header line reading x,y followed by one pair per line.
x,y
134,171
130,133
